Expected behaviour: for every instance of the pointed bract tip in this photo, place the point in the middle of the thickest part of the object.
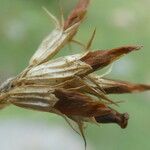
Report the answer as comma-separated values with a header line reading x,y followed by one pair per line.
x,y
139,47
77,14
141,87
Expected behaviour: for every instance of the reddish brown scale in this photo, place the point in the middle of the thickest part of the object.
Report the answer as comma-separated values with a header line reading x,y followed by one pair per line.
x,y
77,14
75,103
120,87
102,58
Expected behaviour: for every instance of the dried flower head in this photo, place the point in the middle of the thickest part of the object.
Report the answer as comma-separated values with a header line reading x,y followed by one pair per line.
x,y
68,86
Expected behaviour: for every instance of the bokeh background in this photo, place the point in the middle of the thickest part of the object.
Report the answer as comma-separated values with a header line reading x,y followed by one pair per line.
x,y
23,24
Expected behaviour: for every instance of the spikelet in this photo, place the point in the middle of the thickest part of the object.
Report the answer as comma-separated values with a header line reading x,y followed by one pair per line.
x,y
68,86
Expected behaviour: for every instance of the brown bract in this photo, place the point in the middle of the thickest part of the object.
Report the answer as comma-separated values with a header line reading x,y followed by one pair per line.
x,y
78,13
78,104
102,58
120,87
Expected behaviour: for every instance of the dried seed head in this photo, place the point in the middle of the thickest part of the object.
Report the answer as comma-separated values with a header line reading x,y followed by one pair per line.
x,y
64,86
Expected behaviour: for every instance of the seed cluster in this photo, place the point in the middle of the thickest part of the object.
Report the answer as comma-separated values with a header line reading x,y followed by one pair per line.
x,y
68,86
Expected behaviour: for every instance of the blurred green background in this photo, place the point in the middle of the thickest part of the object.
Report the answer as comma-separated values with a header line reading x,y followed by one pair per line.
x,y
23,24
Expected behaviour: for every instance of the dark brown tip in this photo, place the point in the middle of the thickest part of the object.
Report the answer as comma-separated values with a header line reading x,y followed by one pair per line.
x,y
124,120
102,58
120,119
77,14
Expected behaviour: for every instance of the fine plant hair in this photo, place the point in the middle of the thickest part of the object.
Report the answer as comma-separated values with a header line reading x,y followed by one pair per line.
x,y
68,86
